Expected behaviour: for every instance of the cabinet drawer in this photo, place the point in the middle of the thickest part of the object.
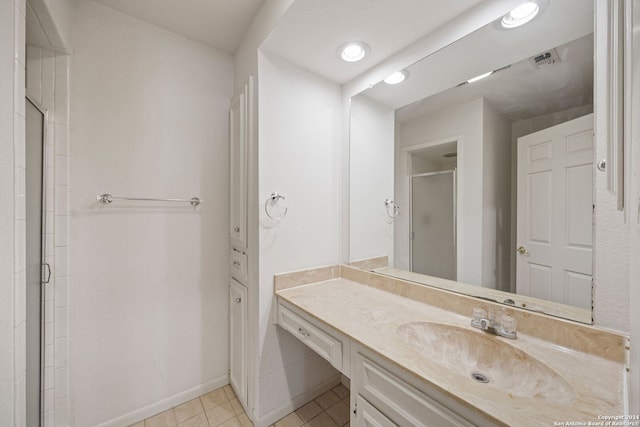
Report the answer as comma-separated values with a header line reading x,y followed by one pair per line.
x,y
238,266
399,401
319,341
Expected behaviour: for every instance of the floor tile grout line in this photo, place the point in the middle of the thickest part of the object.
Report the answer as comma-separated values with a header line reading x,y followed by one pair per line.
x,y
330,399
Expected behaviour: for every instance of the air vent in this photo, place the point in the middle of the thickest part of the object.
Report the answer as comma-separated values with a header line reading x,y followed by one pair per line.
x,y
549,57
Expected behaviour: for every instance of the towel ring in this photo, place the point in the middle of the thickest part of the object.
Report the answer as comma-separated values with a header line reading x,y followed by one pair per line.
x,y
396,209
272,201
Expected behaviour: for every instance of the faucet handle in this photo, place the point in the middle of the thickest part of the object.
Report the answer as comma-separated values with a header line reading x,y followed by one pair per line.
x,y
479,314
508,325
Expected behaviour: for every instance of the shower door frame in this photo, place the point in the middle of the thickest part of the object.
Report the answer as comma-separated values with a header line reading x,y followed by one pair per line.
x,y
455,215
44,279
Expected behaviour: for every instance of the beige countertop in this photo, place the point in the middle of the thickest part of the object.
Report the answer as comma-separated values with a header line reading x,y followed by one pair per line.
x,y
589,385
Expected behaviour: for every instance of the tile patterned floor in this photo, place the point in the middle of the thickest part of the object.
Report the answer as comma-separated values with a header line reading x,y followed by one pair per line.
x,y
330,409
221,408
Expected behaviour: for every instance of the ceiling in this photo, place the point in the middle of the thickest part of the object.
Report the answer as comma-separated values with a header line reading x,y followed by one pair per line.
x,y
489,48
311,31
520,91
524,90
436,154
216,23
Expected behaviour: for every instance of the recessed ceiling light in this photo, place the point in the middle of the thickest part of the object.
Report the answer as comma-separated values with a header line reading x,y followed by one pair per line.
x,y
480,77
353,51
520,15
397,77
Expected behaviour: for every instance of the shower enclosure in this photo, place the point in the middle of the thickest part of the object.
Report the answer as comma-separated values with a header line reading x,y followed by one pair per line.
x,y
433,224
35,264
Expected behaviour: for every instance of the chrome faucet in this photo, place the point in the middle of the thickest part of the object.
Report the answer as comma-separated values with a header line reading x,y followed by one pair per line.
x,y
505,325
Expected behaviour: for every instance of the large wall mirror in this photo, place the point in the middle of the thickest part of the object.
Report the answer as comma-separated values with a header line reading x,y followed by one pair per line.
x,y
475,173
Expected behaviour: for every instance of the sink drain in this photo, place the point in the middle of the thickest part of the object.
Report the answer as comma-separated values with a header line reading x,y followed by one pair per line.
x,y
481,378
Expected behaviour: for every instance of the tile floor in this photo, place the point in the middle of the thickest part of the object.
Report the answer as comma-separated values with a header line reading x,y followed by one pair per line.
x,y
222,408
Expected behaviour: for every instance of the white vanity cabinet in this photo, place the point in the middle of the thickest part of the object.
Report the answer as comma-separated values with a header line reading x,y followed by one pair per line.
x,y
382,394
238,339
366,415
327,342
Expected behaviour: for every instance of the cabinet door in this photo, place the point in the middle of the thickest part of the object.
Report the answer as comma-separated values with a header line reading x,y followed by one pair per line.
x,y
405,401
368,416
237,339
238,136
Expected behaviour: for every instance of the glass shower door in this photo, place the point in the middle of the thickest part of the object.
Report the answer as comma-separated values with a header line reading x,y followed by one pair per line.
x,y
433,224
35,128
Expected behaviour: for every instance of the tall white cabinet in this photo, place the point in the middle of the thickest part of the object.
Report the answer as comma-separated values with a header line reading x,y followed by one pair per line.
x,y
237,340
239,131
240,122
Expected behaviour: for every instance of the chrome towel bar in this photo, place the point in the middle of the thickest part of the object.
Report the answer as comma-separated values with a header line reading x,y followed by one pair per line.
x,y
108,198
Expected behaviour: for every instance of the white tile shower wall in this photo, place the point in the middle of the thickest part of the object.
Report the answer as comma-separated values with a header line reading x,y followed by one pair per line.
x,y
19,233
148,309
12,277
299,149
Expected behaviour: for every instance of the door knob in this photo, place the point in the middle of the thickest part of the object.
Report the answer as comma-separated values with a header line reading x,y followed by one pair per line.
x,y
238,300
522,250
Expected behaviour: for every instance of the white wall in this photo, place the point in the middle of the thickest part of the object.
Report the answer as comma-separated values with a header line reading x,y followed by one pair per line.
x,y
55,18
496,199
149,317
463,122
299,156
246,58
634,221
371,177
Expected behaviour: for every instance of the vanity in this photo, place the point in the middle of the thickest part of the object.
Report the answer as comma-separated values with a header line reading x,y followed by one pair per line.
x,y
414,359
355,157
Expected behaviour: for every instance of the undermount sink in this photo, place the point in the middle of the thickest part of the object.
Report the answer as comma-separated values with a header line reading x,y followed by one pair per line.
x,y
485,358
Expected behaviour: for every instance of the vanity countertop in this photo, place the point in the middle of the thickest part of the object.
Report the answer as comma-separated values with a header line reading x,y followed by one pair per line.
x,y
372,317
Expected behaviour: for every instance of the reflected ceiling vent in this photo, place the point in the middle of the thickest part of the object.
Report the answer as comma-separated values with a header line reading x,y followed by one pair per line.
x,y
549,57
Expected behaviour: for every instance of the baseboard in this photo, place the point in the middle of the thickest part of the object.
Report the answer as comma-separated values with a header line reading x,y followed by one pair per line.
x,y
297,402
164,404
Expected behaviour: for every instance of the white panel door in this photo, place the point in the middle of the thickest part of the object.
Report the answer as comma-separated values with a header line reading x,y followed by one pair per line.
x,y
555,213
238,340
